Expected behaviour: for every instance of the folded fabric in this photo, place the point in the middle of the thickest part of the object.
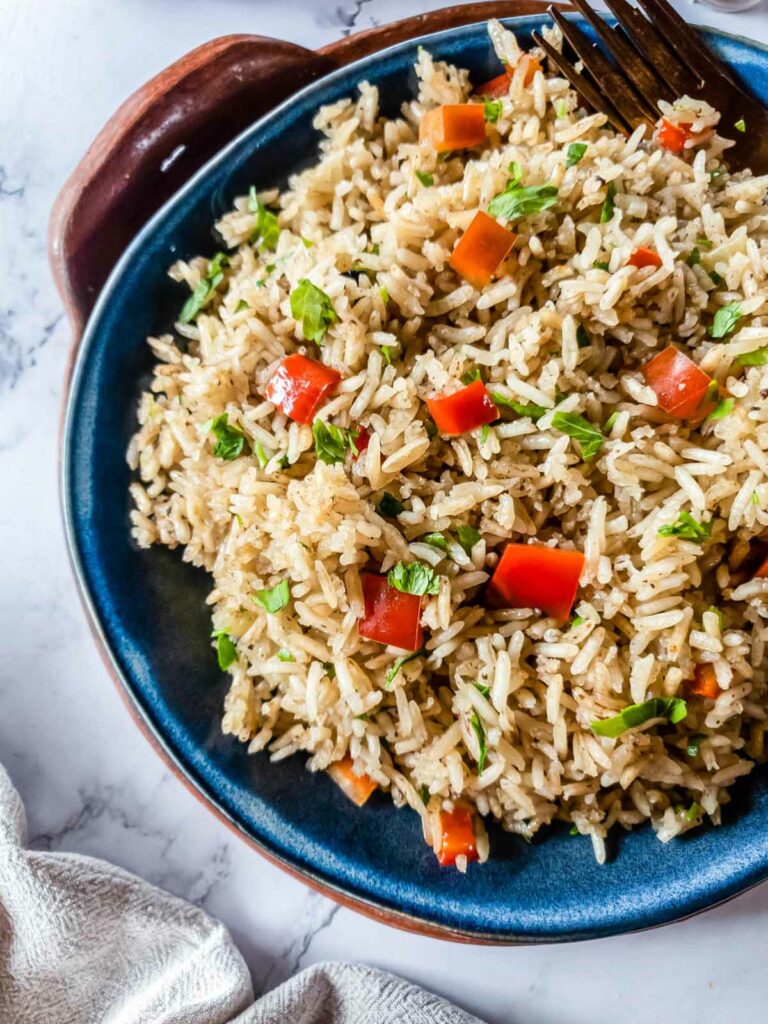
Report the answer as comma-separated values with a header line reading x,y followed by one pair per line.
x,y
83,942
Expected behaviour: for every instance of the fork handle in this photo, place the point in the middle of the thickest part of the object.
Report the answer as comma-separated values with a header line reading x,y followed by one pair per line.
x,y
171,125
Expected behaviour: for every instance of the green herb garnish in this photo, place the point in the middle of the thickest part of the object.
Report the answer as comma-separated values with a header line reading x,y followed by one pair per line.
x,y
482,688
725,320
757,358
313,308
274,599
590,438
283,655
229,440
582,338
479,731
330,669
242,304
723,408
471,375
517,202
740,125
606,213
693,743
485,433
226,652
693,257
515,174
492,110
414,578
205,288
426,179
436,540
686,528
385,299
672,708
574,153
521,408
331,442
468,536
610,422
389,506
265,231
260,454
398,664
601,265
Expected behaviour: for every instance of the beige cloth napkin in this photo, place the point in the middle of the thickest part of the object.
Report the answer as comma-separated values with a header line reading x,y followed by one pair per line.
x,y
83,942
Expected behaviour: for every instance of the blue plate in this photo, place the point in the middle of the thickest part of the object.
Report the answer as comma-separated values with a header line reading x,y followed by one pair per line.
x,y
148,608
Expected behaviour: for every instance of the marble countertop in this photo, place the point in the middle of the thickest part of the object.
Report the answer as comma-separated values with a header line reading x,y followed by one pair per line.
x,y
89,779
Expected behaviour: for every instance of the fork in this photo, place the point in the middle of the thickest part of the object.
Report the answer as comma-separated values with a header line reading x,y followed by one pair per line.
x,y
657,56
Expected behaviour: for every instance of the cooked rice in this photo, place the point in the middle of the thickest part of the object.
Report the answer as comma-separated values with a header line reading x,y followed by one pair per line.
x,y
643,618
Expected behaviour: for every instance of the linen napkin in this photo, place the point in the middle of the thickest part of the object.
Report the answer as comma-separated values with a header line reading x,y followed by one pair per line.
x,y
83,942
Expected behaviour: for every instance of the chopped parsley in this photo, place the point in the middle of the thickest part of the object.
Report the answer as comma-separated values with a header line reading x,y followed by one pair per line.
x,y
389,506
274,599
521,408
492,110
386,352
609,204
205,288
283,655
740,125
686,528
724,408
524,201
307,242
574,153
426,179
577,621
479,731
414,578
331,442
226,652
398,664
601,265
672,708
693,743
515,174
436,540
313,308
468,537
385,299
590,438
471,375
265,230
725,320
330,669
757,358
694,257
242,304
229,440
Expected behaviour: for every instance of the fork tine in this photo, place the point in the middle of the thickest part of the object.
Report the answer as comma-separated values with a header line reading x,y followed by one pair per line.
x,y
644,81
686,42
611,82
675,76
581,84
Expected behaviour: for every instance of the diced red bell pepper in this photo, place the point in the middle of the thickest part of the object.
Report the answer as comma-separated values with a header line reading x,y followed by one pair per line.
x,y
683,390
453,126
533,576
644,258
463,410
362,440
481,249
762,572
357,787
391,616
499,86
704,682
673,137
456,836
299,385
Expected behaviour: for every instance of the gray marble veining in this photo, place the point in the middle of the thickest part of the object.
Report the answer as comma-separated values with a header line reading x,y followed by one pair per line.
x,y
90,781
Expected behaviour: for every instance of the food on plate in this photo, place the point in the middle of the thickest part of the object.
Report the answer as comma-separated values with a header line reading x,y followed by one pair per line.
x,y
469,427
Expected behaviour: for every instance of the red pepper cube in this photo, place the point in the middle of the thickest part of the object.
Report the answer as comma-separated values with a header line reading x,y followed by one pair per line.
x,y
673,137
299,385
464,410
453,126
644,258
456,836
482,247
391,617
704,682
357,787
682,389
495,87
532,576
762,572
361,442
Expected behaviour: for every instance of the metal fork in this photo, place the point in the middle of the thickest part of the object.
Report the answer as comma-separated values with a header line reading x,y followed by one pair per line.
x,y
657,56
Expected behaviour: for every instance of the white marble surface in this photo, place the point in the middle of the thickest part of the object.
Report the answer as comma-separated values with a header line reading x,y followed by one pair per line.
x,y
90,781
